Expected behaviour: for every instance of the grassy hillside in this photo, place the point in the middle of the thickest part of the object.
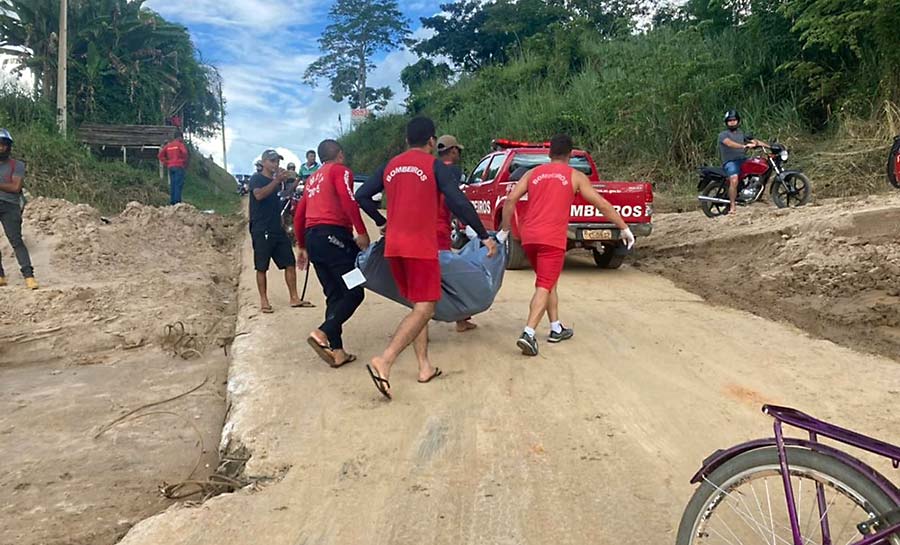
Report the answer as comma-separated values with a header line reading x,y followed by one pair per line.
x,y
648,107
62,168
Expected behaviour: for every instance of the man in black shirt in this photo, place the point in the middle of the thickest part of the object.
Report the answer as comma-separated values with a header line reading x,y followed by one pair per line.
x,y
270,242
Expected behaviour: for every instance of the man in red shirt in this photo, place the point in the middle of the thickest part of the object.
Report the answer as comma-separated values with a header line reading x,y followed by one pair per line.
x,y
174,156
544,231
450,153
323,225
412,183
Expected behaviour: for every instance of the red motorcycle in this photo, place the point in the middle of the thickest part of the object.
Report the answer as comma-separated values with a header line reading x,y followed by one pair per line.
x,y
893,166
788,187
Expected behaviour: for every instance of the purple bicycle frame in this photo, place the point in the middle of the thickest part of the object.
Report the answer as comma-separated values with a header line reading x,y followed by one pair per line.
x,y
815,428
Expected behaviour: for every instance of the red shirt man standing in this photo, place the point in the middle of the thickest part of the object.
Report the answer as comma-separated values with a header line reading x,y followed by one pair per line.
x,y
323,225
413,183
551,190
174,156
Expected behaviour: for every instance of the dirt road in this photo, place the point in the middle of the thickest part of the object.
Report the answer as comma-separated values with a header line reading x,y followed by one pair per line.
x,y
90,347
591,442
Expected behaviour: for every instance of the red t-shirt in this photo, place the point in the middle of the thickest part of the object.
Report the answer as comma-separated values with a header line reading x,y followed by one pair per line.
x,y
411,190
173,155
328,200
550,198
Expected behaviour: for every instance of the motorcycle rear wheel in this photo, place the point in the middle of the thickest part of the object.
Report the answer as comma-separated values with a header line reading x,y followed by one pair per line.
x,y
719,190
794,191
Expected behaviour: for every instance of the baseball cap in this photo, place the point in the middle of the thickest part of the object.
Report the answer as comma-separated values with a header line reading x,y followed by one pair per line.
x,y
271,155
447,142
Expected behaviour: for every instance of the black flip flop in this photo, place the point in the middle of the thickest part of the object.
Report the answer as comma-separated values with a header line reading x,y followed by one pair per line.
x,y
323,350
380,382
350,359
436,374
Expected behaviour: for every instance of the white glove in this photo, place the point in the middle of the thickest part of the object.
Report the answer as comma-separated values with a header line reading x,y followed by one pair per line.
x,y
471,233
628,237
502,236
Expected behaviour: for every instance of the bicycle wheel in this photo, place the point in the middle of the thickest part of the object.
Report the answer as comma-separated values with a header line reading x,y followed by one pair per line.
x,y
743,501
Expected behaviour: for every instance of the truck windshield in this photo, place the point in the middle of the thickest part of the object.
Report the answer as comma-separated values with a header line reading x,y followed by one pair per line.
x,y
531,160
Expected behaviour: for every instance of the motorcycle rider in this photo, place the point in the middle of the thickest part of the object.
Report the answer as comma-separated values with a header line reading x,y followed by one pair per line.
x,y
733,146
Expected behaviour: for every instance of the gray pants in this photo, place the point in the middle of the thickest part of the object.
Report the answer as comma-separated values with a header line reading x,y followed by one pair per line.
x,y
11,218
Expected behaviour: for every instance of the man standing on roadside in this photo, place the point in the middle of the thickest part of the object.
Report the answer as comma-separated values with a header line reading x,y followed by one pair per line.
x,y
310,166
174,156
450,153
323,225
270,242
544,232
12,203
412,182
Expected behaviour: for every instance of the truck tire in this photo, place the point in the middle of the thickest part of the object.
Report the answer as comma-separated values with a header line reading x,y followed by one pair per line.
x,y
458,237
515,255
608,258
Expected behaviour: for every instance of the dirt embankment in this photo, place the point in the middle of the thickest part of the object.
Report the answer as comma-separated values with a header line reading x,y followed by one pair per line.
x,y
92,345
831,269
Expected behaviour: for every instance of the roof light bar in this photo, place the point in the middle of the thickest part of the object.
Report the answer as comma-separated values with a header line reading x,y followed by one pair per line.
x,y
503,143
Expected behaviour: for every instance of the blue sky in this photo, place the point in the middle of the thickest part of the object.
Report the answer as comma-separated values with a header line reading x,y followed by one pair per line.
x,y
262,48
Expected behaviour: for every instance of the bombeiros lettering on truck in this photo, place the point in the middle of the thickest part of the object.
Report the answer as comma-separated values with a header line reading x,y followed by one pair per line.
x,y
497,172
588,211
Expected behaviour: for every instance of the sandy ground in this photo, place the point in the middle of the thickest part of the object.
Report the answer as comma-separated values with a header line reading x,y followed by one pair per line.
x,y
594,441
90,346
829,269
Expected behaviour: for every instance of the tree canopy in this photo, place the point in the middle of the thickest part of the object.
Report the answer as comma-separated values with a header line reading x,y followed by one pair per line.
x,y
126,63
358,29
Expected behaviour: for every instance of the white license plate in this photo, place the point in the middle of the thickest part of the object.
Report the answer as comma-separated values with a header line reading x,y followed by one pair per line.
x,y
597,234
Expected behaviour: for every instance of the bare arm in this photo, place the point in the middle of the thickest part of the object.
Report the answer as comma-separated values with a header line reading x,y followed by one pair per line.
x,y
261,193
583,186
12,187
509,206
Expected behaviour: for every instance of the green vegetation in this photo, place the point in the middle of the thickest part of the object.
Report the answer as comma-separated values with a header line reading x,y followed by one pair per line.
x,y
127,66
649,103
61,168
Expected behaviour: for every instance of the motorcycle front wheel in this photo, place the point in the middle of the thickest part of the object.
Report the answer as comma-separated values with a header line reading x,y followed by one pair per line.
x,y
716,189
794,191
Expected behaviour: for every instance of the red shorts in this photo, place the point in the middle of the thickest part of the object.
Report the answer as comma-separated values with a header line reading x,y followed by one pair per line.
x,y
418,280
547,262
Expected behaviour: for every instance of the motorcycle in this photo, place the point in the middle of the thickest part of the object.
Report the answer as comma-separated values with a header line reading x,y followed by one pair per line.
x,y
893,165
289,200
788,187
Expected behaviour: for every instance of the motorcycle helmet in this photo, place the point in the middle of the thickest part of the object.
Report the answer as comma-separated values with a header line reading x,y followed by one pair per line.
x,y
291,166
8,140
732,114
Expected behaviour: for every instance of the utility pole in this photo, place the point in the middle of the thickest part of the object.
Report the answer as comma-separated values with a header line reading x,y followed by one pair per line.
x,y
61,91
222,113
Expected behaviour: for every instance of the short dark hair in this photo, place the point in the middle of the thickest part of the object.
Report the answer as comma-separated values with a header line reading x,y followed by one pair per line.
x,y
419,131
310,151
561,145
328,150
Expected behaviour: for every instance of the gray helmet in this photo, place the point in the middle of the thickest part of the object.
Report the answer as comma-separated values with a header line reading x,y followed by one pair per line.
x,y
4,135
291,166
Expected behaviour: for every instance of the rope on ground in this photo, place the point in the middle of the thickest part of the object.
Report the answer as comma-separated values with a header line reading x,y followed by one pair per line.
x,y
108,426
188,344
879,149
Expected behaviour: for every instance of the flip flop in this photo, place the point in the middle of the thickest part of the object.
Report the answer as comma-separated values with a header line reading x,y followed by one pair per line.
x,y
266,310
379,382
322,350
436,374
302,304
350,359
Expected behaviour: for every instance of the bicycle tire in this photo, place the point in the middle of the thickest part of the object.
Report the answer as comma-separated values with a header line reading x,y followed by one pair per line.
x,y
710,491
